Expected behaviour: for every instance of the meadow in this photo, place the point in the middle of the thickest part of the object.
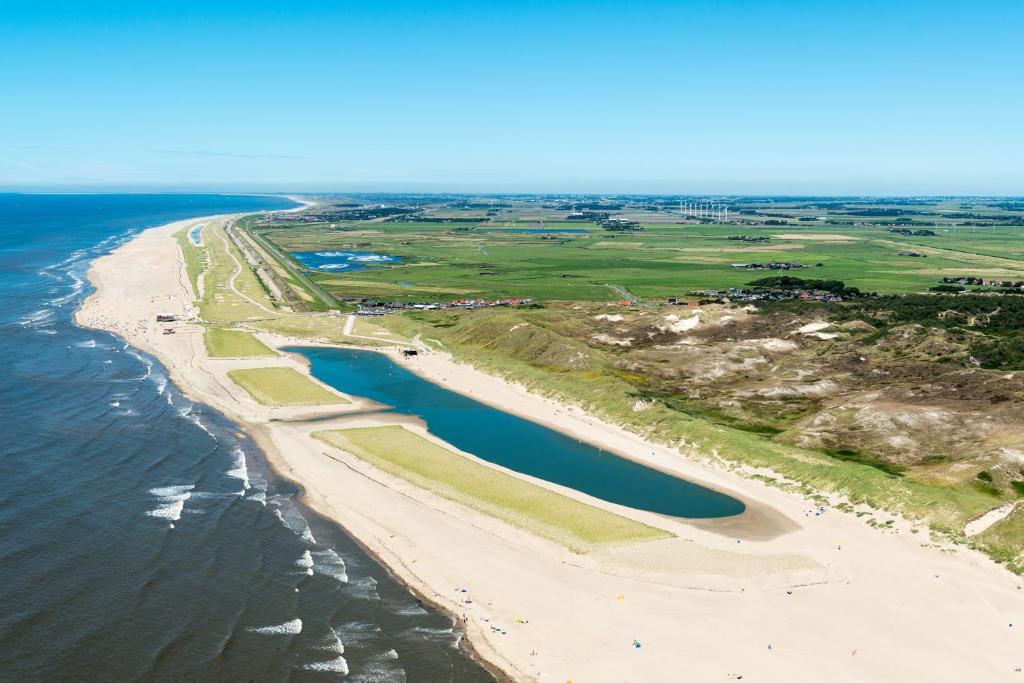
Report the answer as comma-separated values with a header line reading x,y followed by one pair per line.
x,y
667,258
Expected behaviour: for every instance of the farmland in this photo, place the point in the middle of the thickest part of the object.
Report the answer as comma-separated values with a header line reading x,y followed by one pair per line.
x,y
475,255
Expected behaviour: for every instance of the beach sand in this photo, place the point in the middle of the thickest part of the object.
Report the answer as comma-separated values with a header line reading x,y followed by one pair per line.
x,y
783,592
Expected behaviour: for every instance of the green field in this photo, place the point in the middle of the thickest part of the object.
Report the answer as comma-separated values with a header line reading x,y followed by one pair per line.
x,y
667,258
221,343
283,387
566,521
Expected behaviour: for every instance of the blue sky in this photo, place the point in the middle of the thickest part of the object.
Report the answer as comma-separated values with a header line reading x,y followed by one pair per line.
x,y
778,96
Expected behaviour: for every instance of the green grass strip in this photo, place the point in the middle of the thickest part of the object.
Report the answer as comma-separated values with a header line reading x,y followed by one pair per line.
x,y
234,344
283,387
567,521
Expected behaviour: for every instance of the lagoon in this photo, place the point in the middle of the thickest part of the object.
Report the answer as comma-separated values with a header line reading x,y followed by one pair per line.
x,y
341,260
513,442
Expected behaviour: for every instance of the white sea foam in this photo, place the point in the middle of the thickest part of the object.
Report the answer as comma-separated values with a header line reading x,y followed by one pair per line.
x,y
39,318
171,500
294,520
338,665
305,562
365,588
332,643
293,627
89,344
239,469
194,419
433,631
171,511
382,669
173,491
326,562
148,364
357,632
410,611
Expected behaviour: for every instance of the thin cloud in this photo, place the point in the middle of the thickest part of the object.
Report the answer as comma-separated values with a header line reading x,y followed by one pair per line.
x,y
229,155
22,164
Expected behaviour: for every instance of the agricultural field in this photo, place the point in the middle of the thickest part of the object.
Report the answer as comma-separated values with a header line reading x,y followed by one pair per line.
x,y
283,387
527,250
572,523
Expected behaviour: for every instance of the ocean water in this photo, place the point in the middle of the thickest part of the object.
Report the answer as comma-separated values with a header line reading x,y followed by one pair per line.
x,y
142,538
512,442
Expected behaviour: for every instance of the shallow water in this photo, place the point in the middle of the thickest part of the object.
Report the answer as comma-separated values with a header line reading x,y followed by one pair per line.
x,y
141,535
513,442
342,260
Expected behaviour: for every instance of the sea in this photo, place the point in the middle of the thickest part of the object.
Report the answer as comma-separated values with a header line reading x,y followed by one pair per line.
x,y
142,536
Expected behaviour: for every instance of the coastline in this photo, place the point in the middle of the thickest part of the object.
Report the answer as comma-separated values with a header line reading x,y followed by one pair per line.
x,y
673,607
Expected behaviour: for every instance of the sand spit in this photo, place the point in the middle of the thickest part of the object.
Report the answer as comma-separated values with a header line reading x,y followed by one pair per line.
x,y
784,592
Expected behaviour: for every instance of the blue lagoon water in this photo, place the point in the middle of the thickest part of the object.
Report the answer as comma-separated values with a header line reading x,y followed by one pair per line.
x,y
512,442
341,260
141,536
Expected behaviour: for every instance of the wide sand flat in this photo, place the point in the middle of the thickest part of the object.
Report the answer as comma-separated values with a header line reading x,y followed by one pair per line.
x,y
777,594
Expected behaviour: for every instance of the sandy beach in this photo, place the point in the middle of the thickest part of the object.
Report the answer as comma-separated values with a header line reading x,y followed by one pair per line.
x,y
784,592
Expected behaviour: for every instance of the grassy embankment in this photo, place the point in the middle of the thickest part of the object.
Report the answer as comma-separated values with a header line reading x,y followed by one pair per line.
x,y
283,387
571,371
576,525
221,343
223,307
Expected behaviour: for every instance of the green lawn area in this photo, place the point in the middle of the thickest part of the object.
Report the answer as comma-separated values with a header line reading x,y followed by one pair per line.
x,y
283,387
574,524
222,343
